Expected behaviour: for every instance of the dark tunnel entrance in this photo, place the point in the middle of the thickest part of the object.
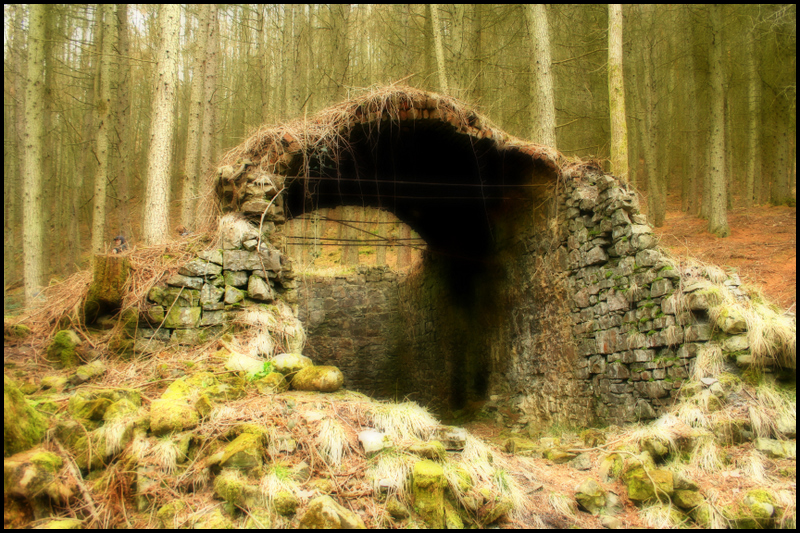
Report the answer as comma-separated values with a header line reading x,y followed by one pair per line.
x,y
460,195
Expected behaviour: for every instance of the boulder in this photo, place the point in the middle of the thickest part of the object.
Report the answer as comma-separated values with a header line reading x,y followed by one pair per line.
x,y
289,363
244,452
324,513
235,278
233,295
590,496
272,383
318,378
428,493
201,268
452,437
433,450
183,317
61,352
171,415
189,282
91,404
88,372
687,499
285,503
643,484
23,427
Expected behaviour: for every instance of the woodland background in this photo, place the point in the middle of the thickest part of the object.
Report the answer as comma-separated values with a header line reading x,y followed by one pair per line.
x,y
96,79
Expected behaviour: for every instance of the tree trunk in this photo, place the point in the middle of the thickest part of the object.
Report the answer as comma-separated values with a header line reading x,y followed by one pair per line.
x,y
543,115
717,217
190,174
34,138
103,109
155,219
209,88
437,38
655,202
123,107
616,94
753,171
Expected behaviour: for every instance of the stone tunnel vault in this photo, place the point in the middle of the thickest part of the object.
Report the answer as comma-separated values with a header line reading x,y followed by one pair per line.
x,y
465,198
542,282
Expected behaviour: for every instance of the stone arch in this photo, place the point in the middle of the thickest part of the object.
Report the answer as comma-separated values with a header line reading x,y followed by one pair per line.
x,y
544,284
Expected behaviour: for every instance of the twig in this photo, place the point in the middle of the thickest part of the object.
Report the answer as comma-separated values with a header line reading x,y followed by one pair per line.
x,y
79,480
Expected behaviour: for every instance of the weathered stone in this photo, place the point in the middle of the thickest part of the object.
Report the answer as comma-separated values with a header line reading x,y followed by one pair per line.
x,y
428,490
243,260
259,289
647,258
212,318
199,267
189,282
558,456
770,447
210,294
285,503
433,450
687,499
182,317
590,496
318,378
643,485
660,288
213,256
373,441
23,427
91,404
452,437
272,383
581,462
290,363
596,256
324,513
244,452
737,343
171,416
61,351
233,295
697,332
235,278
90,371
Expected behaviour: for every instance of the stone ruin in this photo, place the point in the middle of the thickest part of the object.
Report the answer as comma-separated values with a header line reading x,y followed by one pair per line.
x,y
543,284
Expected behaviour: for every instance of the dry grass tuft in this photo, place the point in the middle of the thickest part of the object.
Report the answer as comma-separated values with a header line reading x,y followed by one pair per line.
x,y
403,421
563,504
390,472
660,516
332,441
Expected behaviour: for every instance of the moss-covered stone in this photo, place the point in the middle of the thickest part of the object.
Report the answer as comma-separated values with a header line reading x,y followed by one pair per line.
x,y
229,486
285,503
643,485
91,404
558,456
172,415
30,474
244,452
610,467
123,408
272,383
23,427
290,363
15,331
702,515
428,491
168,514
495,506
61,523
433,450
61,352
687,499
452,520
258,519
89,371
396,509
182,317
590,496
56,383
318,378
520,446
214,520
324,513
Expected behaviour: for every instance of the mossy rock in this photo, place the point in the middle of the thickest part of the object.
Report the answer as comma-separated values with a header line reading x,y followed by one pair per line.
x,y
62,350
91,404
396,509
89,371
244,452
452,520
214,520
433,450
30,474
60,523
290,363
687,499
15,331
558,456
285,503
229,486
177,390
272,383
590,496
611,467
428,490
167,514
318,378
122,408
494,508
324,513
56,383
171,416
520,446
647,485
23,427
258,519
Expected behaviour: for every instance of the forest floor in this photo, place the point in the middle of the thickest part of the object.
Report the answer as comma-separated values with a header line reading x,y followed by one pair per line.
x,y
762,246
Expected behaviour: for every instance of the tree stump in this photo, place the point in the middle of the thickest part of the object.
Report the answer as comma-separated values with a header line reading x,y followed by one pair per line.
x,y
109,275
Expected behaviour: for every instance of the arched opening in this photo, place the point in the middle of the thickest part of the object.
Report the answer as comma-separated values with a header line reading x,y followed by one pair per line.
x,y
465,197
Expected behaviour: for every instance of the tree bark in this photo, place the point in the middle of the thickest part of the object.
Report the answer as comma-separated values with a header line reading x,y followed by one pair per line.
x,y
190,174
437,37
123,107
753,171
103,110
34,138
156,214
616,94
209,89
543,115
717,218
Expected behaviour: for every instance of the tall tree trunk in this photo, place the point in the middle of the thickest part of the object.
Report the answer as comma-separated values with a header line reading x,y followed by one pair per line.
x,y
34,137
543,115
103,110
753,172
655,202
207,145
155,220
437,38
616,94
190,175
476,72
18,94
718,217
693,161
123,114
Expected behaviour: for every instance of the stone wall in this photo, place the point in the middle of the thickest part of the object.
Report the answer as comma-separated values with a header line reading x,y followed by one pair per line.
x,y
352,321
